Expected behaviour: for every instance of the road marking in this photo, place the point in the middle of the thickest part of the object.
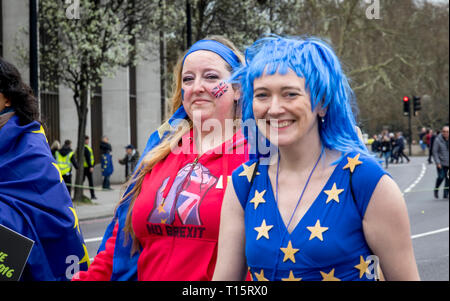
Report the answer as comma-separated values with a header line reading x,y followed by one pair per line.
x,y
93,239
429,233
422,173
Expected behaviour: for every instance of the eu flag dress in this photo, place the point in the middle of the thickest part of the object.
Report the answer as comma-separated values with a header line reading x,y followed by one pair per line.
x,y
327,243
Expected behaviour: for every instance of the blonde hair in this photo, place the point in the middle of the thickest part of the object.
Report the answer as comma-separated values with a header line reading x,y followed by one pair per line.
x,y
161,151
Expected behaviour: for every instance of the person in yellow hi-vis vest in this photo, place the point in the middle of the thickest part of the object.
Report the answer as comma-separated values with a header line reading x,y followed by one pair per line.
x,y
89,166
65,159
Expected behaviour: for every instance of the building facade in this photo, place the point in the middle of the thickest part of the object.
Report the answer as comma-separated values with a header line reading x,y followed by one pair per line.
x,y
126,108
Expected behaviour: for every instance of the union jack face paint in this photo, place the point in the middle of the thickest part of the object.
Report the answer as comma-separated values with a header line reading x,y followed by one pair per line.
x,y
220,90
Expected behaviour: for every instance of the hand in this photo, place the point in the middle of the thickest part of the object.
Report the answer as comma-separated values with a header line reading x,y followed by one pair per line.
x,y
439,166
91,169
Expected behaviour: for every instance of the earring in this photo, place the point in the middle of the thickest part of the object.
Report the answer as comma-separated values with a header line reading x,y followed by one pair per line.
x,y
322,119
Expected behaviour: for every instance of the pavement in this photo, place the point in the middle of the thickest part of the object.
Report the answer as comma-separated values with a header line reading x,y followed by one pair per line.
x,y
103,206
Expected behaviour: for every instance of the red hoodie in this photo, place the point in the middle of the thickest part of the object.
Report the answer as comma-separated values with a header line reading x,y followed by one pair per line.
x,y
176,216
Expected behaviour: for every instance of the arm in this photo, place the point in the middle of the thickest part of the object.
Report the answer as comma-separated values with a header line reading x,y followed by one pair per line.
x,y
387,232
231,264
101,267
74,161
436,150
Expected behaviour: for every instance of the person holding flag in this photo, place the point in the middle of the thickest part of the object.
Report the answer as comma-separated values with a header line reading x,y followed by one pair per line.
x,y
166,225
34,200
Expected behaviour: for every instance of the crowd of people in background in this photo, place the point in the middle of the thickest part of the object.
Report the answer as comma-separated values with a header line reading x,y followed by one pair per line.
x,y
433,143
66,160
390,146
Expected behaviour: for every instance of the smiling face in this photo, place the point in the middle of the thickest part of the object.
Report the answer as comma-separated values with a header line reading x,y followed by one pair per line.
x,y
284,103
205,90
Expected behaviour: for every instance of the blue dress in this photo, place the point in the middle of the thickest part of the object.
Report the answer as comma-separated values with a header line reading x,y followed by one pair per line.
x,y
327,243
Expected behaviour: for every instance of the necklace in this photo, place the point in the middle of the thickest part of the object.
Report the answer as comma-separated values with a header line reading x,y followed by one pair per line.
x,y
298,202
304,188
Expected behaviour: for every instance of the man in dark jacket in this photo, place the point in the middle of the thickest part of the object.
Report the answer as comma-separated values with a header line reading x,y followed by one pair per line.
x,y
106,161
440,156
130,160
89,166
400,145
65,159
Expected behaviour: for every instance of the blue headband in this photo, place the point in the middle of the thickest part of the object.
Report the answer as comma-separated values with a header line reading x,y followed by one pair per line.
x,y
210,45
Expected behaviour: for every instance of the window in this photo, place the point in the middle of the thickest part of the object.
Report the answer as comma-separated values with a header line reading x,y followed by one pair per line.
x,y
96,121
49,96
133,105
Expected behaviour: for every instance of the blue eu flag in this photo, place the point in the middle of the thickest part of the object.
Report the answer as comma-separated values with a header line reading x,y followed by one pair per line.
x,y
34,202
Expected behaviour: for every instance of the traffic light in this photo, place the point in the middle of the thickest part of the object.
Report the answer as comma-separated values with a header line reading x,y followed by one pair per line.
x,y
416,104
406,106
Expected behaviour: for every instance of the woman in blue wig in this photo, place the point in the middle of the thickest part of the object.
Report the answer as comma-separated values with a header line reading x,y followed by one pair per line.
x,y
34,200
321,208
167,225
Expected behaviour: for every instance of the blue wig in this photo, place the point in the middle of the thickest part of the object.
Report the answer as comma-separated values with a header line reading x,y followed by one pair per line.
x,y
316,62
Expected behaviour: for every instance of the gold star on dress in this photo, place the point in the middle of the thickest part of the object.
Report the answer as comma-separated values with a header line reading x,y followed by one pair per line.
x,y
352,163
59,172
248,171
163,221
317,231
289,252
329,276
76,224
260,276
258,198
41,131
362,266
333,193
291,277
263,230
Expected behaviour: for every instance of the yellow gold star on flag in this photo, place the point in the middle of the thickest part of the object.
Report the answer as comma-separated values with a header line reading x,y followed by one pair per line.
x,y
258,198
41,131
352,163
76,224
85,257
161,208
59,171
263,230
248,171
333,193
317,231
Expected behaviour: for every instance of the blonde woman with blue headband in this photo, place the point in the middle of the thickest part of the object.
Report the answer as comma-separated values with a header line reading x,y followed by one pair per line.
x,y
166,226
321,209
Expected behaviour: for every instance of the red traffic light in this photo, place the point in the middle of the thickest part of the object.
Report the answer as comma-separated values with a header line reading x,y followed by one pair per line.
x,y
406,98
